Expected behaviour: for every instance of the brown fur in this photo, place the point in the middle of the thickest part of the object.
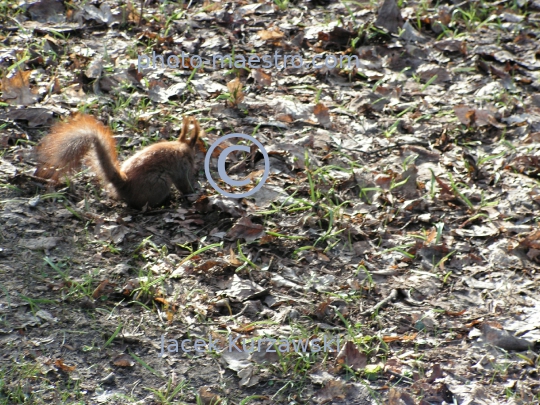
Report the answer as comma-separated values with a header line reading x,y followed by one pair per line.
x,y
145,178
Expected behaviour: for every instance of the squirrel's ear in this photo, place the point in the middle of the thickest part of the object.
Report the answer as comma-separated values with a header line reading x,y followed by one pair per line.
x,y
196,133
183,132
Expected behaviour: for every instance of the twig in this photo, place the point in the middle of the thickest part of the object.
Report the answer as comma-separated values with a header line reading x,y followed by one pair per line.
x,y
393,295
409,298
397,145
141,12
31,177
241,312
400,376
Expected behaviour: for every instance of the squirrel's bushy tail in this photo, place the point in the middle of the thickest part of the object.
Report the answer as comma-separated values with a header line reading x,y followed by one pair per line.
x,y
69,143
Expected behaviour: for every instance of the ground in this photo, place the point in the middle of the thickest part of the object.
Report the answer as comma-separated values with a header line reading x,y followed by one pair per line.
x,y
392,255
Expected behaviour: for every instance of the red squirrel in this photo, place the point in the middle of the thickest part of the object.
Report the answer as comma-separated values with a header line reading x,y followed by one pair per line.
x,y
145,178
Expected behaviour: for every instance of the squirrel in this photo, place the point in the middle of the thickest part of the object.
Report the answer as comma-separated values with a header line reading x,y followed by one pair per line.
x,y
145,178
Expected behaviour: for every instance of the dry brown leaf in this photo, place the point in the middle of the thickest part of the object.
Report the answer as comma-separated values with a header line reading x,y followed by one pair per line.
x,y
209,6
248,328
130,286
394,397
409,338
232,258
162,301
55,86
471,116
132,13
404,338
273,35
445,188
36,117
322,114
323,257
262,78
235,90
334,389
245,229
473,323
208,397
47,11
208,264
389,16
528,164
123,360
352,357
320,311
267,239
433,73
288,118
503,339
64,367
16,89
220,148
431,236
100,290
531,240
449,45
339,37
445,17
383,180
452,313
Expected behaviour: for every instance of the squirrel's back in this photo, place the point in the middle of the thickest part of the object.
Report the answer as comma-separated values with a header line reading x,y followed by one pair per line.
x,y
153,170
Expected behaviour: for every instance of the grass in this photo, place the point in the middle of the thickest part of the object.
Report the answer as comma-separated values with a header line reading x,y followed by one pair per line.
x,y
282,4
25,383
166,395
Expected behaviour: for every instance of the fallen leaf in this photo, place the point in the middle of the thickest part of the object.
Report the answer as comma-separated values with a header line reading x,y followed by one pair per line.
x,y
352,357
208,397
244,290
389,16
471,116
235,89
41,243
245,229
504,339
322,114
64,367
16,89
47,11
334,389
262,78
36,117
273,35
123,360
99,291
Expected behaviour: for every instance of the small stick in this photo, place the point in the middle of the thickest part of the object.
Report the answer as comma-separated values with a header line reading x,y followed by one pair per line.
x,y
392,296
239,313
400,376
141,12
397,145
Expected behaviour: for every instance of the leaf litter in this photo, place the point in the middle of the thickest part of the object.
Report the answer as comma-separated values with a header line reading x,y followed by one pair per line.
x,y
399,216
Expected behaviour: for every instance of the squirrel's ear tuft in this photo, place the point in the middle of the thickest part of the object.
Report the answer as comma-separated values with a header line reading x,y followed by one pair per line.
x,y
196,133
185,127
